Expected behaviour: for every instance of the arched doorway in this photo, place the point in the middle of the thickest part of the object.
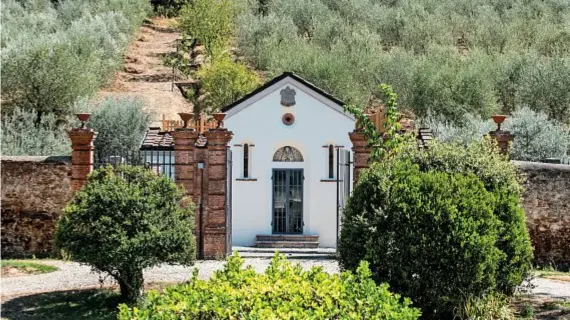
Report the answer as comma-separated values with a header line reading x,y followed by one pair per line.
x,y
287,204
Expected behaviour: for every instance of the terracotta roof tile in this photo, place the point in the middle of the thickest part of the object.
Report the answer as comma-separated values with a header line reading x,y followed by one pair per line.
x,y
162,140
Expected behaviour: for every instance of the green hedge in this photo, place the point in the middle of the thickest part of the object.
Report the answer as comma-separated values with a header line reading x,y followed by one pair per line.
x,y
284,291
441,226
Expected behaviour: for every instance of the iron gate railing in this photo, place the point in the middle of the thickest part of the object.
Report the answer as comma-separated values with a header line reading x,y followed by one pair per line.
x,y
229,202
159,161
343,184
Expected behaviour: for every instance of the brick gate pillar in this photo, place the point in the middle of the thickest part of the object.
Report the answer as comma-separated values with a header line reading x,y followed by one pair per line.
x,y
361,159
82,155
185,159
215,191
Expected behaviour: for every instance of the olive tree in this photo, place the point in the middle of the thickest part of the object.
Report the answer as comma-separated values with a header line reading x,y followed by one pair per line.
x,y
124,220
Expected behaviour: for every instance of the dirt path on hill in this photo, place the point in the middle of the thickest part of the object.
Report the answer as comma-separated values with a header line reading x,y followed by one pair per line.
x,y
145,75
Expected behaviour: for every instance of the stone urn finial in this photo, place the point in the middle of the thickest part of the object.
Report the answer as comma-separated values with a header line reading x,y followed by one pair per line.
x,y
498,119
185,116
219,117
83,117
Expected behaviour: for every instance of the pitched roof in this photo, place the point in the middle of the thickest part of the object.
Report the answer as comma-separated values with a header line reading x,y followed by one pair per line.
x,y
162,140
279,78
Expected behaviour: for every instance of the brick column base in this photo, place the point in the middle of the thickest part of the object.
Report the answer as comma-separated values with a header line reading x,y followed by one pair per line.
x,y
81,156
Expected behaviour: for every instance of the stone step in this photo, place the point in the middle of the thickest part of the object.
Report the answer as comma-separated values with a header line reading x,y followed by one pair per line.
x,y
287,237
287,244
328,251
269,255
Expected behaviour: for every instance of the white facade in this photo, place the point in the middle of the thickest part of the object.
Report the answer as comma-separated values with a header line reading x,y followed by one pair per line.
x,y
257,121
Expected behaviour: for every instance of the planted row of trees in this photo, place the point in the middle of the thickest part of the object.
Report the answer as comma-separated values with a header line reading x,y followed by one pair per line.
x,y
55,53
450,57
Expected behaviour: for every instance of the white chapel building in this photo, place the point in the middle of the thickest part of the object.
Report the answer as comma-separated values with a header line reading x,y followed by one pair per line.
x,y
284,161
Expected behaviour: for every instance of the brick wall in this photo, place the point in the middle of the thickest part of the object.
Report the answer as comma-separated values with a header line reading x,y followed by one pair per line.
x,y
34,190
547,205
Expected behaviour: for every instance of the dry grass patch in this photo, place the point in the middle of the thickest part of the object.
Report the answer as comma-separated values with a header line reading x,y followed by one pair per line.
x,y
14,268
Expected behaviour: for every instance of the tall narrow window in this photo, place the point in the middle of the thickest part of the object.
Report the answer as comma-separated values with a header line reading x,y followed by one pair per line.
x,y
246,160
331,162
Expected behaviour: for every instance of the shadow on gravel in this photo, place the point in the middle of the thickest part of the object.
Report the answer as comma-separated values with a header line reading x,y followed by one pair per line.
x,y
64,305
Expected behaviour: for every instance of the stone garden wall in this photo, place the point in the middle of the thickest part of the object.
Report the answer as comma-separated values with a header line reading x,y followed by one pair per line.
x,y
34,191
547,205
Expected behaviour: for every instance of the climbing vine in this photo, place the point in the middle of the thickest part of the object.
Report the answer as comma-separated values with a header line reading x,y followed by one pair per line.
x,y
391,141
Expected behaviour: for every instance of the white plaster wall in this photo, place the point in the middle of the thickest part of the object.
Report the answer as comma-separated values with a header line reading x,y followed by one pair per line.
x,y
316,124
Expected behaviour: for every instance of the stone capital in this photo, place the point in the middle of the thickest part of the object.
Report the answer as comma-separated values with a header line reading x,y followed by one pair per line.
x,y
82,139
184,138
218,137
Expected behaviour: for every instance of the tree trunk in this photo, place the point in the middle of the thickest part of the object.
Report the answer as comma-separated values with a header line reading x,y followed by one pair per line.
x,y
131,285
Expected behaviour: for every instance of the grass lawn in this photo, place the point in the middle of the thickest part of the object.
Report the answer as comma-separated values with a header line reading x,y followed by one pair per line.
x,y
22,267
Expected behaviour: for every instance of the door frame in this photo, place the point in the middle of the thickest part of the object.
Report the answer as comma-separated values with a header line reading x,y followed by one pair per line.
x,y
302,171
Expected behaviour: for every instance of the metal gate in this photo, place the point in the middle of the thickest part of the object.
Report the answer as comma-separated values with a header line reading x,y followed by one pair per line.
x,y
160,161
343,184
229,202
287,201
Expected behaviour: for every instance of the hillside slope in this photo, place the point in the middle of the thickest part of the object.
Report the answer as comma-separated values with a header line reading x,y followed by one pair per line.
x,y
144,74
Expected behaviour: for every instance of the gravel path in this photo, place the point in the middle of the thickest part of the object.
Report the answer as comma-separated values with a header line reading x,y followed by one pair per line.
x,y
72,275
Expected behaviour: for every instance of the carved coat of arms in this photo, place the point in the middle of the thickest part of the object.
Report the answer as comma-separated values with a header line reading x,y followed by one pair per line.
x,y
288,97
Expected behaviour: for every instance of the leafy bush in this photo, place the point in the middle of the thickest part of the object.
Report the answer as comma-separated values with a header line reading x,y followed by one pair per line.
x,y
25,134
225,81
369,230
499,177
469,129
449,56
210,22
431,235
120,123
284,291
536,136
54,53
125,220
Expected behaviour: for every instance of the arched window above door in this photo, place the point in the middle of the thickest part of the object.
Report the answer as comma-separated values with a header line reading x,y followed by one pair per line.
x,y
288,154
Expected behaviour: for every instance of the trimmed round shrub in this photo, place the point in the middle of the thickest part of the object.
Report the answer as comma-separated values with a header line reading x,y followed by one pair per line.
x,y
430,235
125,220
500,177
284,291
441,225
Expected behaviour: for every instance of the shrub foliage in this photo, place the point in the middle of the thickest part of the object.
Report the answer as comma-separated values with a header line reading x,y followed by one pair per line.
x,y
120,123
24,133
536,136
125,220
440,225
225,81
284,291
